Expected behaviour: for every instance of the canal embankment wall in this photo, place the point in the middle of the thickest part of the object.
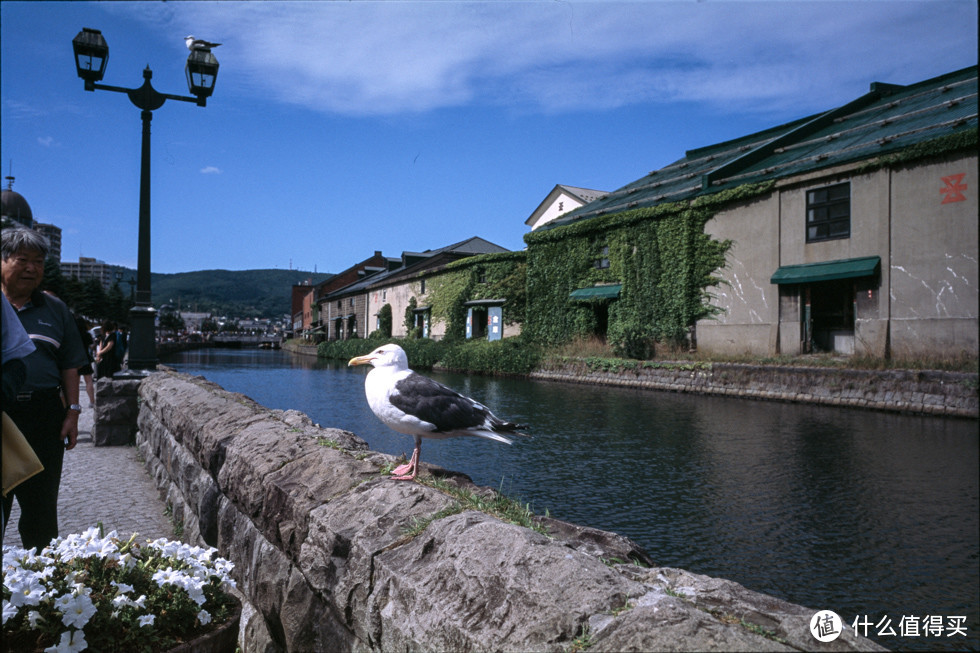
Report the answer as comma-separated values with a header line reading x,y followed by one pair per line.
x,y
926,392
331,555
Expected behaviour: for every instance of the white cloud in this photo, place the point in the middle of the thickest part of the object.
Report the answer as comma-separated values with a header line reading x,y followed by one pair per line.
x,y
392,57
210,170
46,141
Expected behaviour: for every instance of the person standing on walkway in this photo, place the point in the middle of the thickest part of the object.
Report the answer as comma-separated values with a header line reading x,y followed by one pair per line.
x,y
46,408
106,362
87,371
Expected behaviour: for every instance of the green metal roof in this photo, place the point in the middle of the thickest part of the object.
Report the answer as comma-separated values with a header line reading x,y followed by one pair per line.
x,y
886,120
827,270
596,292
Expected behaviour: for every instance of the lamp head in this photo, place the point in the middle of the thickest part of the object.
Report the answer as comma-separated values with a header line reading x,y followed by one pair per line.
x,y
91,55
202,72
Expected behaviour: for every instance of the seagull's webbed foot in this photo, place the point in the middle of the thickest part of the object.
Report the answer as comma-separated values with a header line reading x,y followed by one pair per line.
x,y
407,471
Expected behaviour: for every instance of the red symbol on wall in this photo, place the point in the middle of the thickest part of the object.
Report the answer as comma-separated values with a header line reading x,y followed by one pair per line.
x,y
953,189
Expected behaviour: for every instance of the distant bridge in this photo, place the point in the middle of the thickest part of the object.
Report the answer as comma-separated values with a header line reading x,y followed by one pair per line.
x,y
242,340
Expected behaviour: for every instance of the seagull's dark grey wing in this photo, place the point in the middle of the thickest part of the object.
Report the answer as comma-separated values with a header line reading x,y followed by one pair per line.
x,y
433,402
443,407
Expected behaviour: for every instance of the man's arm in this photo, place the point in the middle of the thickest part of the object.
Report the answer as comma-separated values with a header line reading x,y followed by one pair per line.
x,y
69,429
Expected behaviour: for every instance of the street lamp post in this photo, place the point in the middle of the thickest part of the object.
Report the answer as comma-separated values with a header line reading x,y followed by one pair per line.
x,y
91,58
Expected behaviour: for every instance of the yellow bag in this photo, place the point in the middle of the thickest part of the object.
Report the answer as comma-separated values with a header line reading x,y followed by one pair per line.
x,y
19,460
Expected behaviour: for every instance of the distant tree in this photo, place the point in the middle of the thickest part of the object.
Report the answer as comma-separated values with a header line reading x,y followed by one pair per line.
x,y
170,320
117,305
92,299
55,282
209,325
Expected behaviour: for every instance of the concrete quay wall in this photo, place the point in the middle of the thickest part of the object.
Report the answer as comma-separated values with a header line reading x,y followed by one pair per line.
x,y
926,392
950,394
332,555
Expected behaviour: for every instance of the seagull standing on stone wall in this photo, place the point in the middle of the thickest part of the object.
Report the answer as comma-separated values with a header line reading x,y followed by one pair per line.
x,y
418,406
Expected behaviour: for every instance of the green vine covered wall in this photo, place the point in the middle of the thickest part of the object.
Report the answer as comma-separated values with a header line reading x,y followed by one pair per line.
x,y
487,276
660,255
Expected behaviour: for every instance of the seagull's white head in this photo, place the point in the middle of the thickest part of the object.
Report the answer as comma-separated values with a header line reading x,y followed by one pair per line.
x,y
390,355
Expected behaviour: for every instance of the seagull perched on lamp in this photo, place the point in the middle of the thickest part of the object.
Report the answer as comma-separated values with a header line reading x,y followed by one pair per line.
x,y
418,406
199,44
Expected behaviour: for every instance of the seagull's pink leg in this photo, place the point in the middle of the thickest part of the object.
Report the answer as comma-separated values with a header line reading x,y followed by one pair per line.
x,y
407,471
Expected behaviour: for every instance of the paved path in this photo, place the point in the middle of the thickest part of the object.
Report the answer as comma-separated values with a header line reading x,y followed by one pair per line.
x,y
107,484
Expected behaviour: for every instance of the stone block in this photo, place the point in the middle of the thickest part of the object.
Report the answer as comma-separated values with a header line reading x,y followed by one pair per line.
x,y
116,412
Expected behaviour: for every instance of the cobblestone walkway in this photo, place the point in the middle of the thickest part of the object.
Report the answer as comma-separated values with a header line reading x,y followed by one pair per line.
x,y
107,484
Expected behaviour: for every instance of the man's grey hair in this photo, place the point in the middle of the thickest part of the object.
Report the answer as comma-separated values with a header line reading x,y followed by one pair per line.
x,y
17,238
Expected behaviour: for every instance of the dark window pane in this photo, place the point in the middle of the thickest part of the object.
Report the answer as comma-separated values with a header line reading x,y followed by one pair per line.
x,y
828,212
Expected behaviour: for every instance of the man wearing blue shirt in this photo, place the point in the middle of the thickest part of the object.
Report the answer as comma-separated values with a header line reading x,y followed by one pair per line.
x,y
46,406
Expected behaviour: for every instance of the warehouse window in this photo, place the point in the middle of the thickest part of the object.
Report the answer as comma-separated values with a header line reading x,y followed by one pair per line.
x,y
828,213
601,262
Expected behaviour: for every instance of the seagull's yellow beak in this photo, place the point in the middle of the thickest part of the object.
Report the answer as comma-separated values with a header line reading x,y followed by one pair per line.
x,y
360,360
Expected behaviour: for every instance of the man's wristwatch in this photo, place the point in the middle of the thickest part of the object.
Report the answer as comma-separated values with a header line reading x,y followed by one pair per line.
x,y
76,407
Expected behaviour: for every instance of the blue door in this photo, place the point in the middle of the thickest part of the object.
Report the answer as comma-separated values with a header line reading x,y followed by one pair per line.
x,y
495,326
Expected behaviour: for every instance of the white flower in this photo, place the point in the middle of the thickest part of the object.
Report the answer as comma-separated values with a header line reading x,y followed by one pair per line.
x,y
71,642
26,589
78,611
9,610
168,576
122,588
66,579
121,601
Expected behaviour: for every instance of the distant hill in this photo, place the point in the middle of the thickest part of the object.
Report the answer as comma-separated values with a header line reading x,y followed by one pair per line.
x,y
239,293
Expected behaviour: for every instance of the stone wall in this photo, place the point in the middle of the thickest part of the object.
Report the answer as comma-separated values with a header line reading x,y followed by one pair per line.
x,y
116,408
951,394
333,556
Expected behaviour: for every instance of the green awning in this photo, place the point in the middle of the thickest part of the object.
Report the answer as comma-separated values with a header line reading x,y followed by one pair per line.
x,y
596,293
828,270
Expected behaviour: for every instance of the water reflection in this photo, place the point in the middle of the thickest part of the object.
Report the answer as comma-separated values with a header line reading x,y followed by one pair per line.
x,y
861,512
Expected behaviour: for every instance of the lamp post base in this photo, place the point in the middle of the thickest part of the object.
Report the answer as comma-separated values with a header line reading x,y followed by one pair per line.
x,y
142,339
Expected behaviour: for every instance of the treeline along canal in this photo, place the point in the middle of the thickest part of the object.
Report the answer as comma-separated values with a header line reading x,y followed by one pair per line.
x,y
870,514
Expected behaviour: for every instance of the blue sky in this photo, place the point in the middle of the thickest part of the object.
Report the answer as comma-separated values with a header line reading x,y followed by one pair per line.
x,y
341,128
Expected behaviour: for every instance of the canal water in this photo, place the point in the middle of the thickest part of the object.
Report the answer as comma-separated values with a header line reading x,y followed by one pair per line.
x,y
873,515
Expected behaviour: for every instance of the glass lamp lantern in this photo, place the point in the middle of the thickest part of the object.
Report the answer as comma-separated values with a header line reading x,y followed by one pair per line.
x,y
91,55
202,72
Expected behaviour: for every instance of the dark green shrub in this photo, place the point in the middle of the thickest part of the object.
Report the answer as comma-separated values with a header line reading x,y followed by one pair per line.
x,y
629,339
422,353
384,322
512,356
